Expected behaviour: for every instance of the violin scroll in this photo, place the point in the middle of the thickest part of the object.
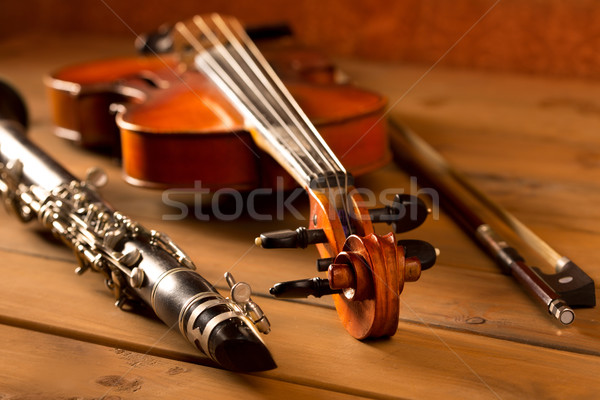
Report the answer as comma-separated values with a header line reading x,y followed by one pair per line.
x,y
366,272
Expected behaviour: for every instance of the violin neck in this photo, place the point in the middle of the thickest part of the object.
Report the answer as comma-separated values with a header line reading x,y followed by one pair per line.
x,y
223,51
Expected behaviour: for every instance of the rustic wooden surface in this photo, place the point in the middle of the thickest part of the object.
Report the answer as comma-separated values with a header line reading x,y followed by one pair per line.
x,y
466,331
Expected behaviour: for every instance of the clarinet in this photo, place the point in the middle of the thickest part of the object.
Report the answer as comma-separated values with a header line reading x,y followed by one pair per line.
x,y
139,265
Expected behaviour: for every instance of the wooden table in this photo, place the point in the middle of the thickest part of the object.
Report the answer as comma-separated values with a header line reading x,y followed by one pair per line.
x,y
466,330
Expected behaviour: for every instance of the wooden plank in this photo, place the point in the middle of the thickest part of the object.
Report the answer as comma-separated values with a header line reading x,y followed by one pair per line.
x,y
489,122
42,366
308,343
487,303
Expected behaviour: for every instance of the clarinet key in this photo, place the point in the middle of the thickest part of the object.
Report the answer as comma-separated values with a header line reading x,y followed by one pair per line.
x,y
324,263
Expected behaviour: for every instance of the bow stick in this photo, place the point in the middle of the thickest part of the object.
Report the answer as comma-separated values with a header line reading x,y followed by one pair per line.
x,y
568,287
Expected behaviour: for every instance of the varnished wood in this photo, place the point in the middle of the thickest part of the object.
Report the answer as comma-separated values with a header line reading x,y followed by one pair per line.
x,y
173,127
373,314
374,268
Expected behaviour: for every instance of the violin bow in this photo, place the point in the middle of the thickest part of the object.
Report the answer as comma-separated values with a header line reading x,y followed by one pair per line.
x,y
569,287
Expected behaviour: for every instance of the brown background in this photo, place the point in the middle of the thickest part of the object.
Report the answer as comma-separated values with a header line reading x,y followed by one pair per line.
x,y
550,37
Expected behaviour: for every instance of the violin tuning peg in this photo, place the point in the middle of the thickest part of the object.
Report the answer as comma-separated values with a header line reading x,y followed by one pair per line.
x,y
302,288
288,239
324,263
406,213
423,251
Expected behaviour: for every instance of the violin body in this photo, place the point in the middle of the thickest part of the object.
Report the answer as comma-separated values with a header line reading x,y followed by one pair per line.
x,y
174,128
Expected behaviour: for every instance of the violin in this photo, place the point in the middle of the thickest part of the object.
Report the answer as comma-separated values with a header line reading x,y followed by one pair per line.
x,y
172,127
184,116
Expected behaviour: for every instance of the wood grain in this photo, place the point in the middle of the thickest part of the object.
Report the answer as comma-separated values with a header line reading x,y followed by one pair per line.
x,y
60,368
80,308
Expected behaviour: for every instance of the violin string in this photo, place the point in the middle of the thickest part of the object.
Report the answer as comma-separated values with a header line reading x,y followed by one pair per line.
x,y
253,57
269,80
252,86
208,59
235,89
261,77
266,74
223,79
212,68
310,132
